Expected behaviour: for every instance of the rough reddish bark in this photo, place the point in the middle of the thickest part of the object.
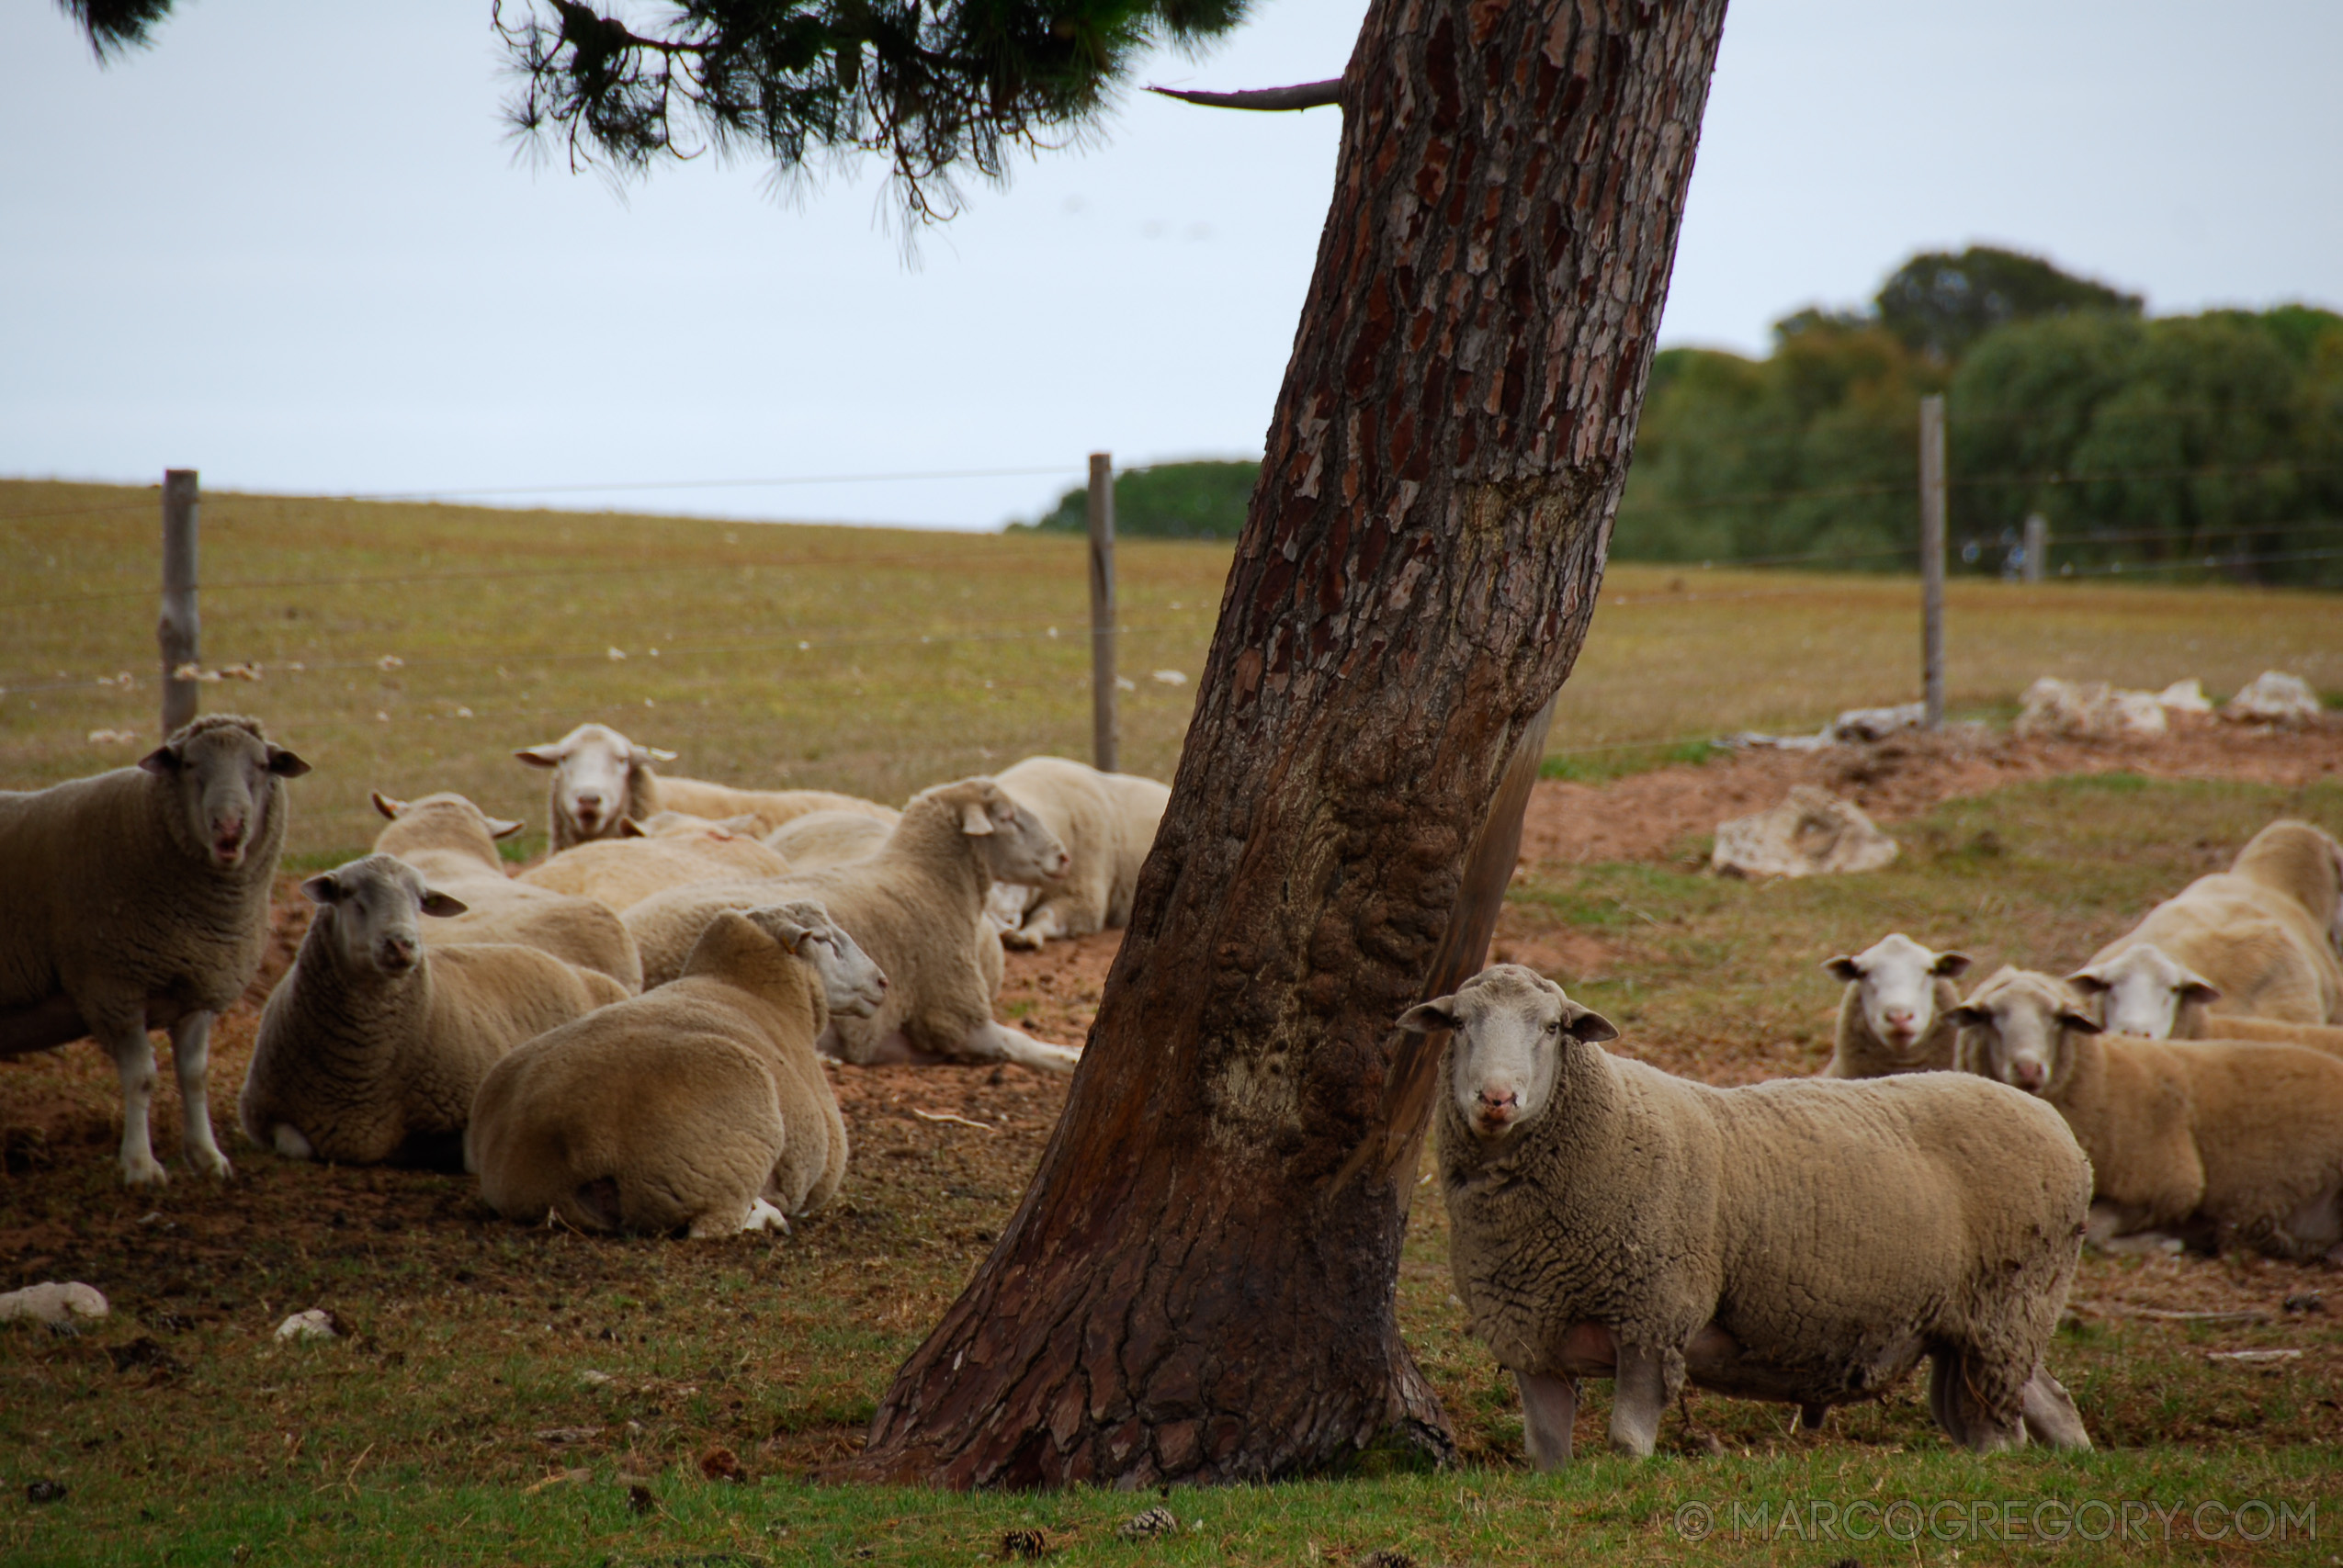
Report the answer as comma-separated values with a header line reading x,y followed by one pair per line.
x,y
1199,1285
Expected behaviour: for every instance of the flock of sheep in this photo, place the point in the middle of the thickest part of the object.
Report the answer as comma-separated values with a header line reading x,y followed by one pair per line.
x,y
629,1035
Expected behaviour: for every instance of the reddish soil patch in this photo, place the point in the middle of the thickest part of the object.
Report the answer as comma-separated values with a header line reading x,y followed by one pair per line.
x,y
1647,817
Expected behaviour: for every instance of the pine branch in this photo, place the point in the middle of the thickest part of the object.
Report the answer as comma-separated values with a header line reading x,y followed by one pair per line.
x,y
1304,95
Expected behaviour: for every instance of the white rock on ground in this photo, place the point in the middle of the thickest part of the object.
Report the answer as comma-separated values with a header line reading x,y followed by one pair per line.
x,y
2086,709
52,1304
2274,697
1811,833
314,1324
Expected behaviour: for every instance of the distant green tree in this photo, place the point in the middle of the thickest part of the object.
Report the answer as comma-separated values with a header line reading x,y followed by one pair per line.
x,y
1938,304
1168,501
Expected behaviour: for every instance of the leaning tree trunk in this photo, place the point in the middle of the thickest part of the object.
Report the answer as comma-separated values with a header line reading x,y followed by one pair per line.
x,y
1199,1284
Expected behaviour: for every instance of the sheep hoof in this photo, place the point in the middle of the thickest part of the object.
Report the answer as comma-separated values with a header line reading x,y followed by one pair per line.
x,y
764,1217
290,1143
211,1162
1022,940
140,1170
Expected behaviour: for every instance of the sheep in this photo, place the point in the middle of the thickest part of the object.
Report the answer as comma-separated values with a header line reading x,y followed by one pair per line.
x,y
453,844
830,837
1891,1019
371,1047
700,1106
917,907
600,778
1611,1219
2265,935
138,899
2208,1143
621,873
1107,823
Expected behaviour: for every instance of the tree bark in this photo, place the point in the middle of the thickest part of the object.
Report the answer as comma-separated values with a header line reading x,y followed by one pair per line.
x,y
1199,1284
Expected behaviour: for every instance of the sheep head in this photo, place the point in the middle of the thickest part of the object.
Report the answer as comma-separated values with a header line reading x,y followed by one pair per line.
x,y
1510,1028
372,911
221,768
2015,1030
852,982
592,765
2145,991
1015,845
1896,981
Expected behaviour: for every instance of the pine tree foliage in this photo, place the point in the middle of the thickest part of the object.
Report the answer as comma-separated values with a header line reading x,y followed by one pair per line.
x,y
115,27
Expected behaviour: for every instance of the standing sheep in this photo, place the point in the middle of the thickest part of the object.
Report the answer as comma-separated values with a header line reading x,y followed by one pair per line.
x,y
2208,1142
1891,1019
371,1048
2265,935
699,1106
138,899
453,844
1107,823
917,907
600,778
1803,1240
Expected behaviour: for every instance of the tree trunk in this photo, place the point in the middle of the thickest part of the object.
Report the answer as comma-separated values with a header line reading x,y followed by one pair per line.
x,y
1198,1286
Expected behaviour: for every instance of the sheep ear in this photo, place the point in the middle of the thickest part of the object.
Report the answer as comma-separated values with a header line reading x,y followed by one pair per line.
x,y
1424,1017
631,828
1585,1024
498,828
444,904
776,923
545,756
2197,989
384,804
2081,1023
283,764
975,820
1951,965
2090,981
323,888
162,761
1843,968
655,754
1965,1016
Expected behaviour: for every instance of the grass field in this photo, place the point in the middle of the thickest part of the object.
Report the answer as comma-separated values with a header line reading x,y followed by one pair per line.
x,y
508,1394
925,656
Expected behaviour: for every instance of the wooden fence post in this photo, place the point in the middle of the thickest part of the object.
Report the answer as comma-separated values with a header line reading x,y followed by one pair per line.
x,y
179,625
1102,611
2037,546
1933,559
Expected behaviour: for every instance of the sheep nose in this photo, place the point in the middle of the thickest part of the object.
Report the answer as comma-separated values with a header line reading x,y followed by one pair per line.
x,y
399,951
1899,1018
1497,1106
2029,1075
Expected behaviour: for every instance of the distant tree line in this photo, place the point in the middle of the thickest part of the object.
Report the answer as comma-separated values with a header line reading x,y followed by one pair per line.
x,y
2150,445
1168,501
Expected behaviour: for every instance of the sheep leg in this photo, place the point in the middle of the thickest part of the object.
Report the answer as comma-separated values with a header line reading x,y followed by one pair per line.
x,y
191,1061
1954,1401
2050,1413
1812,1417
990,1041
1549,1406
1039,927
133,1055
1639,1398
2106,1229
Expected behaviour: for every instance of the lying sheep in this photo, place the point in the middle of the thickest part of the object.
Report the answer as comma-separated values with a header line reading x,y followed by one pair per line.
x,y
600,778
830,837
2210,1142
371,1047
2265,933
453,844
1805,1240
621,873
917,907
700,1106
1107,823
1891,1019
138,899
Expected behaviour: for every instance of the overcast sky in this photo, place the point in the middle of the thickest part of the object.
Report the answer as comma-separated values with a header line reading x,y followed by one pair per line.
x,y
291,246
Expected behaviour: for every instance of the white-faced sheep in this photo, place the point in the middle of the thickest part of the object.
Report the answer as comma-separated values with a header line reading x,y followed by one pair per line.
x,y
830,837
1107,823
2264,934
699,1106
2144,991
917,907
2209,1142
371,1048
1891,1019
138,899
1805,1240
600,778
621,873
453,844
